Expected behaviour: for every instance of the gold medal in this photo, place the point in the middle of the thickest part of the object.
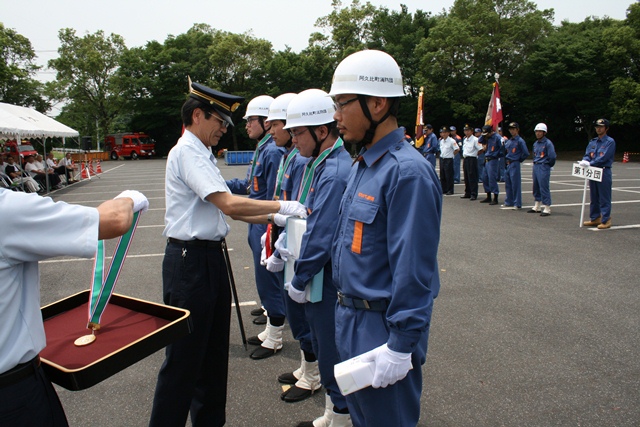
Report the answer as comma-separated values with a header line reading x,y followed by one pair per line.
x,y
84,340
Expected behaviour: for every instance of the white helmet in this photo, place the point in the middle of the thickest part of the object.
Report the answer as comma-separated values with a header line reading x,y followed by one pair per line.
x,y
258,106
542,127
368,72
278,108
311,107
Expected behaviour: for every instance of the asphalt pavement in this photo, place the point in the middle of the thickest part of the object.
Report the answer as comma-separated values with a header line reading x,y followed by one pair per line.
x,y
537,321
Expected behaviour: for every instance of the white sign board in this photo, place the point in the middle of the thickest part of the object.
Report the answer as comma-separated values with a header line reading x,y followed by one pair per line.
x,y
588,172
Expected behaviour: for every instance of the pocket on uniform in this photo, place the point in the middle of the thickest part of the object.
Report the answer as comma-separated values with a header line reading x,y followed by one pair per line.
x,y
361,216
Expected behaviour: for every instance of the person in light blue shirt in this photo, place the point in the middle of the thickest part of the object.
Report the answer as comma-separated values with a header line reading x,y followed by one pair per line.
x,y
544,157
384,253
27,396
195,276
516,153
600,153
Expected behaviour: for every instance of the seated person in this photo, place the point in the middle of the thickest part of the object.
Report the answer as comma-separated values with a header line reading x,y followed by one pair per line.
x,y
16,173
37,172
67,162
59,169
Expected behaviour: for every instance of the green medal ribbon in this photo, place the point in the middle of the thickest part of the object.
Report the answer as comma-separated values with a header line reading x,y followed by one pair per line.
x,y
284,164
307,178
102,289
255,160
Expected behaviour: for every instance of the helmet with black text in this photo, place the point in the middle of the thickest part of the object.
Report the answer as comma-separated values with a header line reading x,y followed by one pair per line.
x,y
369,73
312,108
258,107
278,111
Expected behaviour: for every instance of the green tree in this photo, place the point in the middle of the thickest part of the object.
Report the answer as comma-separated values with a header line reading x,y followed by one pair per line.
x,y
467,46
85,72
17,71
567,81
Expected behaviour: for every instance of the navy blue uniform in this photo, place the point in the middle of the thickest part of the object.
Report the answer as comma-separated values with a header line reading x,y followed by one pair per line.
x,y
516,152
430,148
323,202
600,152
385,252
492,153
544,157
261,186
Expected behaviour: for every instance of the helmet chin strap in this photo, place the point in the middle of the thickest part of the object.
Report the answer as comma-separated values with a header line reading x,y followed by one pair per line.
x,y
316,150
368,136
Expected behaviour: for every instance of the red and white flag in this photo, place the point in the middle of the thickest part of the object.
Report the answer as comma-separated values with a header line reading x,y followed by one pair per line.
x,y
494,112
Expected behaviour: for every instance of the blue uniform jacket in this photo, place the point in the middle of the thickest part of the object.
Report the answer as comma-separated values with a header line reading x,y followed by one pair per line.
x,y
516,149
293,178
430,145
600,152
386,243
494,146
263,184
544,152
323,202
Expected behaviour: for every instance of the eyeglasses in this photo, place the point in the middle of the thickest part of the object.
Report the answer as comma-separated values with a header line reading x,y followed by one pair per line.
x,y
341,105
225,124
295,135
251,119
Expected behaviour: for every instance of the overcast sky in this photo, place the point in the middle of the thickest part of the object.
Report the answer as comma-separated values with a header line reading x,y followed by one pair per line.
x,y
282,22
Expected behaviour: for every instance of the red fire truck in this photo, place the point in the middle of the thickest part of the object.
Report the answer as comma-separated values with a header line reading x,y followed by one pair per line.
x,y
133,145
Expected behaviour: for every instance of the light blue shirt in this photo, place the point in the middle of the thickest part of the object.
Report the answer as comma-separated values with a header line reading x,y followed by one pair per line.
x,y
448,146
32,229
191,176
471,146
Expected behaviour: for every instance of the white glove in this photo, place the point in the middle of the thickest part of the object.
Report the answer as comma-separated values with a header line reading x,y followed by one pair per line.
x,y
390,366
292,208
280,220
263,240
280,246
296,295
584,163
263,256
140,202
274,264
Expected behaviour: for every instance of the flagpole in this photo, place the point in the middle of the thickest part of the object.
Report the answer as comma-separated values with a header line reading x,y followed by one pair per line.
x,y
420,120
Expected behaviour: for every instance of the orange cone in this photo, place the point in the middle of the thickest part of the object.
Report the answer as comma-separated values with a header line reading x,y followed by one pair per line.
x,y
625,157
98,167
85,172
92,171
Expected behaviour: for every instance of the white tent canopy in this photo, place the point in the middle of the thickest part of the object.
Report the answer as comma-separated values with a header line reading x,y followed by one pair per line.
x,y
22,122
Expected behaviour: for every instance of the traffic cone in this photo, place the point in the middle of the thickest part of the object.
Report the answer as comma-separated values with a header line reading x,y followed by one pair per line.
x,y
85,172
625,157
98,167
92,171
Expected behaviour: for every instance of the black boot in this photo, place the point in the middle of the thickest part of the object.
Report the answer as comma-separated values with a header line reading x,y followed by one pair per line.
x,y
495,200
487,200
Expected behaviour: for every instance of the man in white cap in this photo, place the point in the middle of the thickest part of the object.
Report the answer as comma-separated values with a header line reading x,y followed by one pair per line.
x,y
544,157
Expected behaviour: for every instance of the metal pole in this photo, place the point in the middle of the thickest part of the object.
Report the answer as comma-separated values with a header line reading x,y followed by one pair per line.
x,y
234,292
584,200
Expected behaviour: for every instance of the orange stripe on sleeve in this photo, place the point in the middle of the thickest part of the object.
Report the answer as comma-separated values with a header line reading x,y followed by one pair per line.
x,y
356,244
255,184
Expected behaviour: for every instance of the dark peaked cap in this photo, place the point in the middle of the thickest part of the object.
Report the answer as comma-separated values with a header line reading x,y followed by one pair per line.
x,y
223,103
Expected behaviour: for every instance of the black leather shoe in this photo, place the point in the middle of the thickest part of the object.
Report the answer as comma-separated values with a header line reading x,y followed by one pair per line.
x,y
254,340
287,378
295,394
260,320
465,197
257,311
305,424
263,353
473,198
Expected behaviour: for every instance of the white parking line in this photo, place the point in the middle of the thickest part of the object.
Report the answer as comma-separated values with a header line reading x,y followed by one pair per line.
x,y
616,227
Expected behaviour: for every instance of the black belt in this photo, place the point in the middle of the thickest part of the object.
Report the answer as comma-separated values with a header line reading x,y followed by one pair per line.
x,y
20,372
216,244
361,304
